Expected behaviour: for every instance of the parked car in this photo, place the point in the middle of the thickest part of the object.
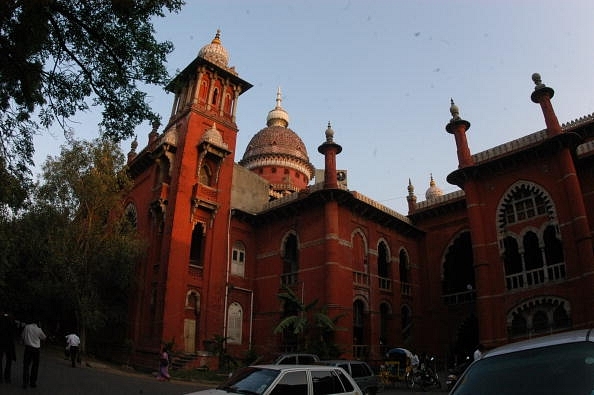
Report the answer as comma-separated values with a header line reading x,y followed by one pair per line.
x,y
287,380
360,371
296,359
551,365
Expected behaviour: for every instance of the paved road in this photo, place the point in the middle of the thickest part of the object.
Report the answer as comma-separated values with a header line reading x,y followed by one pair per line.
x,y
57,377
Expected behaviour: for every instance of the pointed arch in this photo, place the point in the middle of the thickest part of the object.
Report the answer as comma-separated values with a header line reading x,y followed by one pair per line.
x,y
404,271
538,315
384,271
458,282
529,238
234,323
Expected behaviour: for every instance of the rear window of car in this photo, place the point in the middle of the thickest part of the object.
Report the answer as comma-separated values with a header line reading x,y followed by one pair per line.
x,y
360,370
306,359
560,369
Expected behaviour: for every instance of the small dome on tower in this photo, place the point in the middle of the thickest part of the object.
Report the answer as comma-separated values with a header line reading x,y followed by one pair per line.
x,y
215,52
433,191
213,136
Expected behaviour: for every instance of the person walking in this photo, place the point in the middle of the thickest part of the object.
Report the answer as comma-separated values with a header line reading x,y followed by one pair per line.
x,y
32,337
73,345
7,346
164,364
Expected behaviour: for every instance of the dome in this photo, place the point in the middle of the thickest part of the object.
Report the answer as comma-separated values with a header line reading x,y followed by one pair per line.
x,y
433,191
277,146
276,140
215,52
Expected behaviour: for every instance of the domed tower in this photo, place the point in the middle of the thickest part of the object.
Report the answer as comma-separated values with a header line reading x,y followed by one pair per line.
x,y
278,154
433,191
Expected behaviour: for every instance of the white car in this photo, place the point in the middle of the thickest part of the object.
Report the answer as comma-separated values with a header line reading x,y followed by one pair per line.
x,y
551,365
287,380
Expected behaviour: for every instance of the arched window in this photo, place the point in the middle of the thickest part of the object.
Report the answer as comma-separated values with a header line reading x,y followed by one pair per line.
x,y
197,245
530,246
383,266
130,216
539,315
359,259
238,259
290,255
234,323
205,175
193,302
458,285
404,272
215,96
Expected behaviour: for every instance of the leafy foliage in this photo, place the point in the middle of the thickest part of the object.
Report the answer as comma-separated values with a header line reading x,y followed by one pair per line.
x,y
59,57
311,326
74,249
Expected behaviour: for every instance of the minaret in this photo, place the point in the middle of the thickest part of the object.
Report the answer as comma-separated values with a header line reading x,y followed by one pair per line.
x,y
411,198
458,127
542,95
570,183
330,149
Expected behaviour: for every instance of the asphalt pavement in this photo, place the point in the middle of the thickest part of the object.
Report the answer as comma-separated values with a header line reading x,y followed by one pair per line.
x,y
58,377
92,377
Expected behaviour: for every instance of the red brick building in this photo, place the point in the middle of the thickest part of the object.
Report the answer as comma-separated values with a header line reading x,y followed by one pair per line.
x,y
508,256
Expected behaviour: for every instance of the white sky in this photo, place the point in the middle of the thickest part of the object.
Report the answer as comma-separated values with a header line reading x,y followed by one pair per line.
x,y
383,72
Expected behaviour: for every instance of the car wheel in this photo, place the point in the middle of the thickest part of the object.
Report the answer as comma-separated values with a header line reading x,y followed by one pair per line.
x,y
370,391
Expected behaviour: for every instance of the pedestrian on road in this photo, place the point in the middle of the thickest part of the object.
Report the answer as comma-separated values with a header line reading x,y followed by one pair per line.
x,y
32,337
73,345
164,364
7,346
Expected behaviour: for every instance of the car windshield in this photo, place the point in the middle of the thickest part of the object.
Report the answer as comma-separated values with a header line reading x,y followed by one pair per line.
x,y
251,380
560,369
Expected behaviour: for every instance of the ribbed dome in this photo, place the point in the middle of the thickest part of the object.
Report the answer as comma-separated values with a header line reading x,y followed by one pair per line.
x,y
215,52
278,154
274,140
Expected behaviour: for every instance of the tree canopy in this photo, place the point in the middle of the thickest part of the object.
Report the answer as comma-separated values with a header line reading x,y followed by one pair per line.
x,y
59,57
69,256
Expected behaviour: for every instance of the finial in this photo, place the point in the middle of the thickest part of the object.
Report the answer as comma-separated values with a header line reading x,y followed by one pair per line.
x,y
454,110
279,97
329,134
134,144
432,181
217,38
537,81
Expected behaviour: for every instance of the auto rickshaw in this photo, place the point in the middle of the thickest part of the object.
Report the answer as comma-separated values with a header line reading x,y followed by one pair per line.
x,y
396,364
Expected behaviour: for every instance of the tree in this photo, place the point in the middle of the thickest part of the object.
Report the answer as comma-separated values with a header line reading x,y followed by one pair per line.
x,y
59,57
92,245
311,326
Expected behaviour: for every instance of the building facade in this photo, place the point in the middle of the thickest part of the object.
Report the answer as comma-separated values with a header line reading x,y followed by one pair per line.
x,y
506,257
